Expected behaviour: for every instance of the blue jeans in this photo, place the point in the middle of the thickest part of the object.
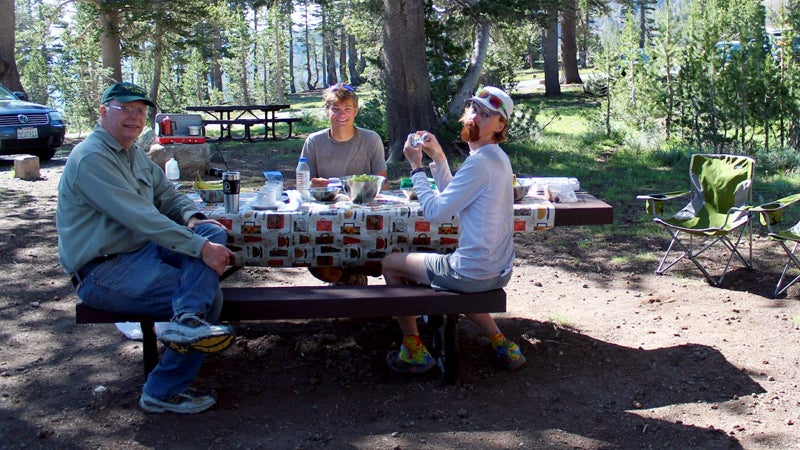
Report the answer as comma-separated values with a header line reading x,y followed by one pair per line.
x,y
159,281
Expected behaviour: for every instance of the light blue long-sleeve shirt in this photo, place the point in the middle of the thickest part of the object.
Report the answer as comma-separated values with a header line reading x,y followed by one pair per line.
x,y
482,195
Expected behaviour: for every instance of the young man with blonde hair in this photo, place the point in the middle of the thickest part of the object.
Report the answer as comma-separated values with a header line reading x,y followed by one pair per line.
x,y
341,150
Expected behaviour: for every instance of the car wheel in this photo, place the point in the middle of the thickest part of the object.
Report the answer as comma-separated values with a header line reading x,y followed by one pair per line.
x,y
45,154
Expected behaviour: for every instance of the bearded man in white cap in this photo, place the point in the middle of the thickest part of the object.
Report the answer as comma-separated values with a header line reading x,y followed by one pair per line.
x,y
481,194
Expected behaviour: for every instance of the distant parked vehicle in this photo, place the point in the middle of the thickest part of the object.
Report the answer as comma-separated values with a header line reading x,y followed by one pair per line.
x,y
726,49
27,127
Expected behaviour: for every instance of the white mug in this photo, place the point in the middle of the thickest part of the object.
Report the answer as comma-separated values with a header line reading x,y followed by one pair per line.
x,y
266,198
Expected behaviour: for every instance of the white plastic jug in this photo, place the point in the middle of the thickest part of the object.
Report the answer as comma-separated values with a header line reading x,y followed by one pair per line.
x,y
172,169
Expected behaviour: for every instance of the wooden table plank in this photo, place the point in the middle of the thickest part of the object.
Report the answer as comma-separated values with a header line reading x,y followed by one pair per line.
x,y
588,210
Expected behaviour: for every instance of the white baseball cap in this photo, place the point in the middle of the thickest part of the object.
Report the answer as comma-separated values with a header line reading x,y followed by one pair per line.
x,y
494,99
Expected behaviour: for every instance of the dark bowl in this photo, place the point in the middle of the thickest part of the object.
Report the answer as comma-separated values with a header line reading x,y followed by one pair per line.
x,y
324,194
211,195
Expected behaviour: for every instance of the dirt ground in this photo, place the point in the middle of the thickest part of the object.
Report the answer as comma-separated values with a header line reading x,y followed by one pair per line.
x,y
617,358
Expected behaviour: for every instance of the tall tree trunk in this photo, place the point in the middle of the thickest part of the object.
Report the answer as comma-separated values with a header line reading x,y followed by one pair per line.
x,y
290,50
216,75
109,41
330,58
584,47
216,66
569,44
550,54
158,54
642,24
278,78
670,82
352,60
309,84
260,55
343,56
244,77
470,80
408,89
9,74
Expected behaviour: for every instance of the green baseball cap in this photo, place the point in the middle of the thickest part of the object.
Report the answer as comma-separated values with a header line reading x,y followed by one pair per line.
x,y
126,92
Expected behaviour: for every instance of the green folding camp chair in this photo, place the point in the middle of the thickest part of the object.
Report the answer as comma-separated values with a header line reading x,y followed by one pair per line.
x,y
771,214
720,195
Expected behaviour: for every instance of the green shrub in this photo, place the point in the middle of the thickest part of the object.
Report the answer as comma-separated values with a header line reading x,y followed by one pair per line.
x,y
783,160
372,115
314,120
672,156
523,124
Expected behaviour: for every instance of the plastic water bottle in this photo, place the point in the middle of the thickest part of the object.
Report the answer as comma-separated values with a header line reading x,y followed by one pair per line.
x,y
172,169
303,177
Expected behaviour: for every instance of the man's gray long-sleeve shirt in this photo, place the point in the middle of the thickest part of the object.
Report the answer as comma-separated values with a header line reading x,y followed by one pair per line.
x,y
112,200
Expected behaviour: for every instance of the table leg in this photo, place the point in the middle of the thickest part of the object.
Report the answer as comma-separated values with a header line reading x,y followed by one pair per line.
x,y
228,127
149,346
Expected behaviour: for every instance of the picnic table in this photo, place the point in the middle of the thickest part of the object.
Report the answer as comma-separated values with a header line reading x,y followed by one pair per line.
x,y
325,234
226,116
345,234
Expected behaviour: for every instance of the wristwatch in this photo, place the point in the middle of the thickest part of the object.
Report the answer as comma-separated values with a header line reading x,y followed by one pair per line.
x,y
417,170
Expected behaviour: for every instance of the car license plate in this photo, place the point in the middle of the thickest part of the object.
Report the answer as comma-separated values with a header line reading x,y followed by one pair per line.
x,y
27,133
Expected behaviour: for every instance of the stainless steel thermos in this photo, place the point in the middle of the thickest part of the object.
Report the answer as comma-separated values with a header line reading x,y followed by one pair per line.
x,y
230,187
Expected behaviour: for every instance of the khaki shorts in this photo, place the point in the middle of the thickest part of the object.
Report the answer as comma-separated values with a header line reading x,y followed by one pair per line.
x,y
444,278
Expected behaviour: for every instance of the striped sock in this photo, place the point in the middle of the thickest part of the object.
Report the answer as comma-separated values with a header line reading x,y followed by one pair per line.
x,y
413,350
497,339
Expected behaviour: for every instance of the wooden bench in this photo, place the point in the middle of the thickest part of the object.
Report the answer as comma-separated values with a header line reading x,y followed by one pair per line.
x,y
286,120
318,302
225,126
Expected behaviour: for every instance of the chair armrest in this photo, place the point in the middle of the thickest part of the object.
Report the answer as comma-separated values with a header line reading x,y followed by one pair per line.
x,y
772,213
664,196
655,202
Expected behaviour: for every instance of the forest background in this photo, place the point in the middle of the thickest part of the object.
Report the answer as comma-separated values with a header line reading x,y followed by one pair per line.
x,y
619,358
670,75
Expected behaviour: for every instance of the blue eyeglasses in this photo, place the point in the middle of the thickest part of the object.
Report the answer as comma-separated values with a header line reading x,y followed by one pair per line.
x,y
338,86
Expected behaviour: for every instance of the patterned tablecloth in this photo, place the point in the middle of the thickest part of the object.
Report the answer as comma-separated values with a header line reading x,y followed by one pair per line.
x,y
344,234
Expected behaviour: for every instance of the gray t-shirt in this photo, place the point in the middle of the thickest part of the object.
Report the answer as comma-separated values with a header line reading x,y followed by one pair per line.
x,y
363,154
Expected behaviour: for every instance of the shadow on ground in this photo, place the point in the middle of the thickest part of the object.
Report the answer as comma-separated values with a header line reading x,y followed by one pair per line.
x,y
323,383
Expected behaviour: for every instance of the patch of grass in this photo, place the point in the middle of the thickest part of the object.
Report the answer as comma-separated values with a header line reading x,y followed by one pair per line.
x,y
559,321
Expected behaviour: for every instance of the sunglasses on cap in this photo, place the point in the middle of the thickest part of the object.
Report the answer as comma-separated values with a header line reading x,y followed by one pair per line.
x,y
494,100
338,86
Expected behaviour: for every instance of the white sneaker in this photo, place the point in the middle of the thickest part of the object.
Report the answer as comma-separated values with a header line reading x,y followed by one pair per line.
x,y
191,401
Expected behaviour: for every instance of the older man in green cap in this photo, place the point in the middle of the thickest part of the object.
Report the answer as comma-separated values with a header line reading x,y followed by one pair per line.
x,y
131,243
